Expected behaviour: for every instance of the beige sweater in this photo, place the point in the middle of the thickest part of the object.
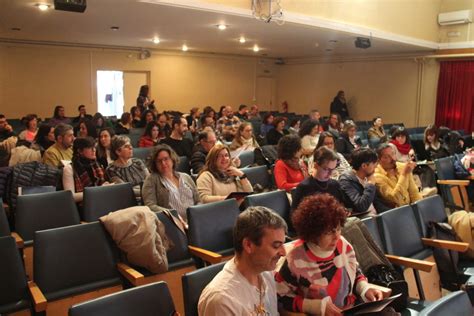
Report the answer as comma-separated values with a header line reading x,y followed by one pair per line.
x,y
212,190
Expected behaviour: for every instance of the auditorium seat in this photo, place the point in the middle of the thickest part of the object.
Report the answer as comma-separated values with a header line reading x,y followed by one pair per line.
x,y
455,303
259,175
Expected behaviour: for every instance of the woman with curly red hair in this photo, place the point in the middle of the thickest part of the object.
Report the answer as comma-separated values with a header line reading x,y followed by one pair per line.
x,y
321,275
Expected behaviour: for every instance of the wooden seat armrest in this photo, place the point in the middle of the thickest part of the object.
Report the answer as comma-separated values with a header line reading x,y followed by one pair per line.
x,y
411,263
386,292
83,222
446,244
206,255
19,241
39,300
132,275
454,182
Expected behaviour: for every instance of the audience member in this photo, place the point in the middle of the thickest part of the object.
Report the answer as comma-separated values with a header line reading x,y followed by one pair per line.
x,y
104,157
253,113
433,147
82,115
21,151
86,128
143,100
124,168
289,169
59,116
267,124
84,171
401,145
206,140
181,145
100,122
348,140
278,131
207,121
31,124
124,124
309,134
246,286
243,113
62,148
136,117
150,137
219,177
165,128
339,106
6,130
395,180
165,188
44,138
327,139
455,143
316,116
295,125
359,183
333,125
376,134
209,112
147,117
227,124
325,162
244,140
320,274
193,119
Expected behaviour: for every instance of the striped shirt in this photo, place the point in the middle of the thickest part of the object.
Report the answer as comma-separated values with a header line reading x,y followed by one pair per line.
x,y
180,197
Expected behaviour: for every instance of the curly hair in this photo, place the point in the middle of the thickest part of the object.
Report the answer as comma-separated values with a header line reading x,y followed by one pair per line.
x,y
288,146
307,127
316,215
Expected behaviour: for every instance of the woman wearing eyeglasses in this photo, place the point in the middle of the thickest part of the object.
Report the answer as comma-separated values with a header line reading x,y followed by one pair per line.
x,y
325,162
165,188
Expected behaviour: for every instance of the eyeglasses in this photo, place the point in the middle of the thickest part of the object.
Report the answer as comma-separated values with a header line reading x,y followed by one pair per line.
x,y
220,156
163,160
128,146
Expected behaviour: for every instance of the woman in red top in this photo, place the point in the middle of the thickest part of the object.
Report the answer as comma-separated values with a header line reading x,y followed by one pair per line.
x,y
150,137
289,169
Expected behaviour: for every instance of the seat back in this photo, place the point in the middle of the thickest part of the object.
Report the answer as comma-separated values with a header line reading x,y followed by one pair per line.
x,y
430,209
445,168
44,211
400,233
37,189
183,165
4,227
210,225
148,300
74,259
455,303
371,224
178,254
277,201
134,139
247,158
100,201
13,284
258,174
142,152
194,283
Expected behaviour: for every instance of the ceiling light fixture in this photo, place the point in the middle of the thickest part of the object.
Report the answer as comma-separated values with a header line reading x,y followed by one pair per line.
x,y
114,28
184,48
256,48
43,6
156,40
242,40
221,27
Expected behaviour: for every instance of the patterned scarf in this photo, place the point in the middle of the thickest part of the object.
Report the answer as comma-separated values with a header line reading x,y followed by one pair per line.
x,y
87,173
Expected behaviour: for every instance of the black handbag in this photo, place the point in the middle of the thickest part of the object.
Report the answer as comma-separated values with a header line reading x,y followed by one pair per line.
x,y
386,276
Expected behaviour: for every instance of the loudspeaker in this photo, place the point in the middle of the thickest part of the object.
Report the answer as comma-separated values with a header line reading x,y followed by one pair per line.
x,y
362,42
70,5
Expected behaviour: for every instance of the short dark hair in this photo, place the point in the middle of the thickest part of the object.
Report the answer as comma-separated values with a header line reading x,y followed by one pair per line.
x,y
279,119
61,129
242,106
2,116
323,154
156,151
28,118
251,224
203,135
400,131
375,119
176,120
80,107
288,146
362,155
82,143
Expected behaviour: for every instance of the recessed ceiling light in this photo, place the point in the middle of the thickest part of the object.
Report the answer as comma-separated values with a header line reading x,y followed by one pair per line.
x,y
156,40
256,48
114,28
184,48
221,26
43,6
242,40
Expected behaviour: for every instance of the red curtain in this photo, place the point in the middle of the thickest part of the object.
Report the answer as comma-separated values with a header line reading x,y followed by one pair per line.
x,y
455,99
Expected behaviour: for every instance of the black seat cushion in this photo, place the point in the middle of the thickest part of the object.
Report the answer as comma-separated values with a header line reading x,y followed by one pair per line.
x,y
430,209
4,227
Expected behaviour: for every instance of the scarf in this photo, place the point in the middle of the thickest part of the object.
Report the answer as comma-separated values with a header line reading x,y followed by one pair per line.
x,y
403,149
297,165
87,173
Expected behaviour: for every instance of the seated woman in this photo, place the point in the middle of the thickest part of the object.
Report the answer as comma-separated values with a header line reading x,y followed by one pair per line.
x,y
244,140
333,124
86,128
348,140
103,146
320,274
309,134
289,170
376,134
84,171
295,125
277,132
165,188
136,114
124,168
327,139
401,144
124,124
44,138
31,124
220,177
267,124
150,136
433,147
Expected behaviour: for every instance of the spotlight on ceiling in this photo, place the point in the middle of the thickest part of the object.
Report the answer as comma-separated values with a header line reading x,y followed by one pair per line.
x,y
184,48
156,40
43,6
221,27
242,40
256,48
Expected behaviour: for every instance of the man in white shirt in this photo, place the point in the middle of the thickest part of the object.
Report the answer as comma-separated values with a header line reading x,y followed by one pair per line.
x,y
246,285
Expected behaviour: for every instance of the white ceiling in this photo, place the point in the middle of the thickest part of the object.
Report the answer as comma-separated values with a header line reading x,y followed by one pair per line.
x,y
139,22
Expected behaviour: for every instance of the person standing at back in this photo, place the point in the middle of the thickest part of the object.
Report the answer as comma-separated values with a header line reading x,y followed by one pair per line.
x,y
339,106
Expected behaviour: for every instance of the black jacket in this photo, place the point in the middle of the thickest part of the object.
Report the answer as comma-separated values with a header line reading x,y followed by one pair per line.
x,y
359,197
310,186
345,147
340,108
198,159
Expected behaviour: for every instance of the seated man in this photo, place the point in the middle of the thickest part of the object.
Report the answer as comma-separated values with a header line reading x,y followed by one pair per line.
x,y
206,140
395,179
6,130
228,124
246,286
359,184
182,146
62,148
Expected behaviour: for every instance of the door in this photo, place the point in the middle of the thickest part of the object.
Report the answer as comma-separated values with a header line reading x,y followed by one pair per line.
x,y
265,94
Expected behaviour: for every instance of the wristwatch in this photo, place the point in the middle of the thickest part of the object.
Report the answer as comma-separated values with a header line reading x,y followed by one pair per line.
x,y
244,176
